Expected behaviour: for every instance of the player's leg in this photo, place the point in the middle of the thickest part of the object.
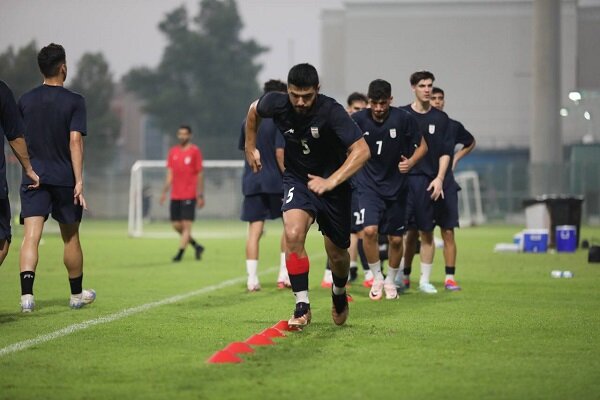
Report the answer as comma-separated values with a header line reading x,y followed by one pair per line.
x,y
373,207
450,258
408,254
255,229
5,230
28,259
69,216
427,252
393,224
340,269
4,245
353,252
447,219
296,224
283,280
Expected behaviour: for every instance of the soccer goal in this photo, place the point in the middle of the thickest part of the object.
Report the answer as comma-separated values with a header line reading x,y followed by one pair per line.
x,y
469,199
147,217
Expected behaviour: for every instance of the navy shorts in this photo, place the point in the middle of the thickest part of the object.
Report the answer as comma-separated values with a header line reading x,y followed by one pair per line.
x,y
388,214
331,210
260,207
358,214
424,213
50,199
5,231
183,210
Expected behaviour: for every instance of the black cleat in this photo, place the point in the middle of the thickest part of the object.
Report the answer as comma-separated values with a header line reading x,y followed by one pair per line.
x,y
199,250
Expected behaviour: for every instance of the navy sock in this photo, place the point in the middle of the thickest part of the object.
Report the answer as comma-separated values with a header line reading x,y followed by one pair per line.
x,y
450,270
27,278
362,256
407,270
76,284
339,281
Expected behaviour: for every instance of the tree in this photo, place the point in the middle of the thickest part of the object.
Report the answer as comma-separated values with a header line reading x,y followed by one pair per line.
x,y
94,81
206,78
19,68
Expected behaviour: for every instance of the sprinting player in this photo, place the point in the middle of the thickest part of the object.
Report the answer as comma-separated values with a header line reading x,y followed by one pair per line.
x,y
356,101
466,142
323,149
263,192
54,125
185,178
12,127
396,146
426,179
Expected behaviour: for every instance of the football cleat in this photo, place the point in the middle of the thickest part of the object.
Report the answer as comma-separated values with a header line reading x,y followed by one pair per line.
x,y
368,282
301,317
390,290
451,285
253,285
427,288
339,308
199,249
376,291
87,296
27,303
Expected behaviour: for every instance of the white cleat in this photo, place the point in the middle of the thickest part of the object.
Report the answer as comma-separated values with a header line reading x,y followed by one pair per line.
x,y
253,285
376,291
390,290
27,303
427,288
87,296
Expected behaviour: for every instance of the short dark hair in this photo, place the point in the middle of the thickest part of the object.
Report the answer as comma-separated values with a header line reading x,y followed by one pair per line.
x,y
436,90
419,76
187,127
50,59
356,96
379,90
303,76
274,85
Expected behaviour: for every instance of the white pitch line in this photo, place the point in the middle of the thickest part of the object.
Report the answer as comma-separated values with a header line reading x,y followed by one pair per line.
x,y
13,348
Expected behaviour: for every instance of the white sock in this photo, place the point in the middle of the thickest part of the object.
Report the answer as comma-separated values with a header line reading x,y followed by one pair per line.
x,y
328,277
338,290
425,273
376,270
251,268
283,275
391,275
449,277
353,264
302,297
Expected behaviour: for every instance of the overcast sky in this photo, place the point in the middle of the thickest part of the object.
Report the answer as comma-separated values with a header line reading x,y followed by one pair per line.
x,y
126,30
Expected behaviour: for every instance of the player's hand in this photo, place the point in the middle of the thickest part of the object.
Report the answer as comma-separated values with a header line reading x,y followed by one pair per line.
x,y
200,202
253,159
319,185
34,177
436,189
78,196
163,197
405,165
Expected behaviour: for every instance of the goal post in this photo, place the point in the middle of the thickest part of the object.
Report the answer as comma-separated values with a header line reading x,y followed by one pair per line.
x,y
222,181
470,209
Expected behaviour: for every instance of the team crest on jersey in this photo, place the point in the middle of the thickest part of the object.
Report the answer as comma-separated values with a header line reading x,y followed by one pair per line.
x,y
187,160
393,133
314,131
431,129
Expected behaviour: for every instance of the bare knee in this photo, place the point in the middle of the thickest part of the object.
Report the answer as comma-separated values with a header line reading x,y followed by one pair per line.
x,y
370,233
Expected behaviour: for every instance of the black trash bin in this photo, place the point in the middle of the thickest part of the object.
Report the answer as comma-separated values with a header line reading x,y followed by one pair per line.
x,y
562,209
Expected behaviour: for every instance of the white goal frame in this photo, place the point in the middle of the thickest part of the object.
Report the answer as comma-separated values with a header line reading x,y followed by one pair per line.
x,y
136,185
469,199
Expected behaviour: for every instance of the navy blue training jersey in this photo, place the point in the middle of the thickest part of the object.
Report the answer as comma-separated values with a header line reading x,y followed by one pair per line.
x,y
433,125
11,126
268,179
315,143
50,114
463,136
388,141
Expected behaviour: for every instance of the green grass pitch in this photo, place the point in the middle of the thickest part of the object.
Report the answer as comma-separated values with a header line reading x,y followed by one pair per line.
x,y
513,332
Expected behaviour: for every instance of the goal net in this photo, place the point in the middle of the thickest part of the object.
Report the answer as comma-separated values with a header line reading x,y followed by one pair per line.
x,y
469,199
147,217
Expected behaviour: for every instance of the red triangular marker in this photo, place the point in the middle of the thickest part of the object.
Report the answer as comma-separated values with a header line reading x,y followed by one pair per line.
x,y
259,340
238,347
223,357
272,333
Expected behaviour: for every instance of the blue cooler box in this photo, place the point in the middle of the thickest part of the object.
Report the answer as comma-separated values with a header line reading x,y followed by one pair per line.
x,y
566,238
535,240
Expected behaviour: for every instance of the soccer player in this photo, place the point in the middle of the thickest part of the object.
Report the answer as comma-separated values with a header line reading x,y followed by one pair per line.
x,y
466,142
263,192
185,178
356,101
12,127
396,145
426,179
323,149
54,125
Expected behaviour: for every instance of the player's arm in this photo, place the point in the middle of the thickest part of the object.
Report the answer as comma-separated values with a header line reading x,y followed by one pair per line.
x,y
279,155
252,123
406,164
462,152
76,147
200,190
166,185
358,154
19,148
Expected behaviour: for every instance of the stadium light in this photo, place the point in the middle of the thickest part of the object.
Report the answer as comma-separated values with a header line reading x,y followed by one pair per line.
x,y
564,112
574,96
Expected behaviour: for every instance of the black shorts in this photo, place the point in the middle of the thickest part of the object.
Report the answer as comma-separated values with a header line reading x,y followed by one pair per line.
x,y
388,214
183,210
50,199
260,207
358,214
331,210
423,213
5,231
